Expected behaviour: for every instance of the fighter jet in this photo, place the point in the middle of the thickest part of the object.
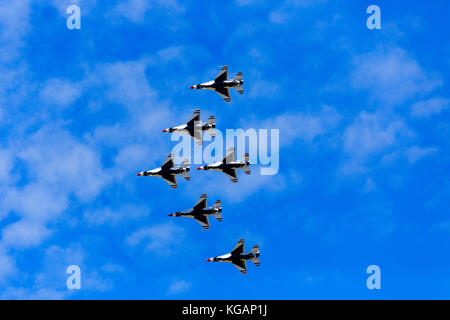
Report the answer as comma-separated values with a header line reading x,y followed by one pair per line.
x,y
194,127
229,165
200,212
168,171
238,256
221,84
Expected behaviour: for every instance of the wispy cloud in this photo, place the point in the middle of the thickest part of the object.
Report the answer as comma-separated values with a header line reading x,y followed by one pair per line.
x,y
115,216
159,239
136,10
415,153
371,134
60,93
7,265
289,7
178,286
392,76
14,23
427,108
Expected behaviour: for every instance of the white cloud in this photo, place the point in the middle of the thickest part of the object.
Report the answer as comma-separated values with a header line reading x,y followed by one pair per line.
x,y
136,10
35,201
54,157
178,286
14,25
126,84
56,167
24,233
263,88
6,165
429,107
159,239
392,76
115,216
373,133
284,13
248,2
20,293
60,92
123,82
7,265
415,153
303,126
370,185
49,276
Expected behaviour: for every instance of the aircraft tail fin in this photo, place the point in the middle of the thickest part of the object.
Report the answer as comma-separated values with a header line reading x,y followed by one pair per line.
x,y
185,165
218,214
240,89
255,259
218,204
238,76
211,132
246,160
212,121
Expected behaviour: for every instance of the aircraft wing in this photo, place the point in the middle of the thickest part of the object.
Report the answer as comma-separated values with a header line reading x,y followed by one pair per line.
x,y
201,203
203,220
224,93
231,174
194,117
239,248
198,140
241,265
230,156
195,131
168,163
171,179
223,74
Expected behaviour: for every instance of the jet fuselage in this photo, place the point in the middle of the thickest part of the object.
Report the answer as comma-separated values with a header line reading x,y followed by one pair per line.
x,y
212,85
186,128
220,166
158,172
191,213
234,257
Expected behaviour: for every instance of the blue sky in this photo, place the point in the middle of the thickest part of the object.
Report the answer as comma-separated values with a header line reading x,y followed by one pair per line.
x,y
364,152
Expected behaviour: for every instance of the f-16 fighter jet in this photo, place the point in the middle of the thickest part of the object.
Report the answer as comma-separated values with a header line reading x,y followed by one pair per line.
x,y
168,171
194,127
221,84
200,212
238,256
229,165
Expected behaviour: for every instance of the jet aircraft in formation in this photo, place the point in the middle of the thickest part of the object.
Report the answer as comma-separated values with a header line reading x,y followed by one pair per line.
x,y
221,84
200,212
194,127
238,256
168,171
229,165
